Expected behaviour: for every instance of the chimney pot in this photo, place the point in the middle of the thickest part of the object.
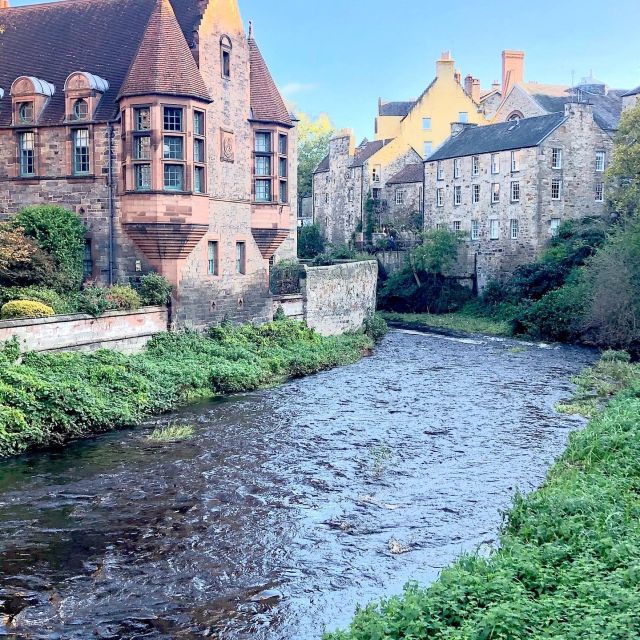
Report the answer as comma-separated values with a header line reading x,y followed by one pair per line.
x,y
512,70
4,4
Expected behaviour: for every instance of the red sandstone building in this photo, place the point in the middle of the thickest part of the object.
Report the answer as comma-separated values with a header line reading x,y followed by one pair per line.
x,y
159,123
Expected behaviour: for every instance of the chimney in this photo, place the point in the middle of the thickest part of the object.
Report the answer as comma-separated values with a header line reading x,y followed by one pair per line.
x,y
495,86
472,88
468,85
458,76
4,4
512,70
445,67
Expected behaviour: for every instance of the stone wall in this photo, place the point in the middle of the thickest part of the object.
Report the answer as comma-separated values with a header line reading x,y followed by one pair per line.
x,y
124,331
339,298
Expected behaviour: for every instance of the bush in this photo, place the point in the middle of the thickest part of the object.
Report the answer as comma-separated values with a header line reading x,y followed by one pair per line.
x,y
310,242
154,290
375,327
59,233
93,300
17,309
59,303
284,277
123,298
10,350
22,262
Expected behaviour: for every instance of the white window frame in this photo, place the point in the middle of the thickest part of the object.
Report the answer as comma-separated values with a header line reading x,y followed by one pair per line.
x,y
463,117
554,225
475,229
599,191
428,148
601,161
514,228
495,193
400,193
494,229
440,197
475,166
515,161
457,225
495,164
426,121
350,194
515,191
559,183
556,158
457,195
440,170
476,193
456,167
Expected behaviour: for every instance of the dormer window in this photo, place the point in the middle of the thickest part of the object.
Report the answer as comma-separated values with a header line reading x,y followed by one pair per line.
x,y
225,57
80,109
25,113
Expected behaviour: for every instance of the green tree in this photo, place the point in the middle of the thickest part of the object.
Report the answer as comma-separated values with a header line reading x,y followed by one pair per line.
x,y
438,252
310,241
313,146
624,172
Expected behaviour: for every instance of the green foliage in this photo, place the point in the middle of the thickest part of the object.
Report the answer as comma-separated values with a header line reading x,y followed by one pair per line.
x,y
459,321
567,566
313,146
155,290
123,298
375,326
58,302
93,300
310,242
284,277
9,351
61,234
172,433
22,261
438,252
51,398
18,309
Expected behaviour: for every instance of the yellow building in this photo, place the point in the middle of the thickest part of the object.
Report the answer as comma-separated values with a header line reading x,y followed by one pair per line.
x,y
424,124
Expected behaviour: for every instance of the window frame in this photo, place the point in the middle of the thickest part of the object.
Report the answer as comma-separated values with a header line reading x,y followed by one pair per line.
x,y
495,164
457,168
514,228
599,195
494,229
515,161
213,260
426,120
199,123
457,195
169,166
399,196
85,156
495,193
475,194
475,229
515,191
26,104
440,170
556,158
241,257
440,197
226,48
475,166
556,182
601,156
139,184
30,158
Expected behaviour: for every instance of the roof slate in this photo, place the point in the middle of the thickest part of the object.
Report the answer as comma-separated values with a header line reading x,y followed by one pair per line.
x,y
164,64
409,174
606,108
633,92
504,136
323,167
267,104
395,108
366,150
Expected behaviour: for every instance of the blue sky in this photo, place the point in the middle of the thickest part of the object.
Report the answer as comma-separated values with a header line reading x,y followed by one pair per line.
x,y
339,56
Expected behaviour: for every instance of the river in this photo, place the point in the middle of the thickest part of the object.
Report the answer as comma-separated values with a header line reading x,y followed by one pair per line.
x,y
291,505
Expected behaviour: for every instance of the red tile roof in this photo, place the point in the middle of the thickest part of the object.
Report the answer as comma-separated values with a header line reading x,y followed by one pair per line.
x,y
267,104
164,64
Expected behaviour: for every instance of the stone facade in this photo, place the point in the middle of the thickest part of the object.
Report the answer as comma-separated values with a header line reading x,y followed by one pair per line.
x,y
504,234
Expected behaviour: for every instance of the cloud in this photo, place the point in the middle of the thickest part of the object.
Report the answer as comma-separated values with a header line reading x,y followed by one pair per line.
x,y
294,88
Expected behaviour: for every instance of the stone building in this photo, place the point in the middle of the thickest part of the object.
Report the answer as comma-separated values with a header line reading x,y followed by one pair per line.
x,y
631,98
507,187
159,123
404,193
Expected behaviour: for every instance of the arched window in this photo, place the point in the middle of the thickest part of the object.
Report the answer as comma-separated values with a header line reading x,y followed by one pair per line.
x,y
515,116
80,109
25,112
225,57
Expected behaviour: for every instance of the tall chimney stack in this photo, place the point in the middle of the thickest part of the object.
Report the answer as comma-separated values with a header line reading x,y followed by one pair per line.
x,y
4,4
472,88
512,70
445,67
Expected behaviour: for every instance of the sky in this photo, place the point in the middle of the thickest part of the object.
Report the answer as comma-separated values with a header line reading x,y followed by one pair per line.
x,y
340,56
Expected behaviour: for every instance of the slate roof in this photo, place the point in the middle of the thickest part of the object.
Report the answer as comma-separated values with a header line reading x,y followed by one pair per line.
x,y
606,108
504,136
633,92
395,108
410,173
163,64
366,150
323,167
267,104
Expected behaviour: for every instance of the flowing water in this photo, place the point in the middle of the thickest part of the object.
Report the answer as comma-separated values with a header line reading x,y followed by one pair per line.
x,y
291,505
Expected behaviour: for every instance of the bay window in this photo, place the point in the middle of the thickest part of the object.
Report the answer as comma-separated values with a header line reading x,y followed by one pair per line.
x,y
174,177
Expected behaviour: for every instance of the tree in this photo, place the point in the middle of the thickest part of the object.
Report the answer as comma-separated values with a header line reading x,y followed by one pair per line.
x,y
310,241
437,253
22,261
624,172
313,146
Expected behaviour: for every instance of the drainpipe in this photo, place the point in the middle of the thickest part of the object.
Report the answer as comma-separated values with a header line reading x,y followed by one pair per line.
x,y
112,213
362,220
424,195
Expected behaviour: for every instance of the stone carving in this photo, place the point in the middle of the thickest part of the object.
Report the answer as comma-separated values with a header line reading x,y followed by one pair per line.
x,y
227,146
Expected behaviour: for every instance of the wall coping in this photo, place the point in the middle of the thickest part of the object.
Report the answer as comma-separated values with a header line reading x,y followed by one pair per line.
x,y
28,322
288,296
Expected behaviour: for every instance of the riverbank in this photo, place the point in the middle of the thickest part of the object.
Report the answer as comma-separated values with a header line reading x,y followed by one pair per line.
x,y
49,399
567,566
460,322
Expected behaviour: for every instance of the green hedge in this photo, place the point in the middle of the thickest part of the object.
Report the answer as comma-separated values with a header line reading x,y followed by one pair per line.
x,y
569,563
48,399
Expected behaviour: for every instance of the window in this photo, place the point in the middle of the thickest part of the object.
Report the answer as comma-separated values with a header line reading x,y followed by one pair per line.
x,y
198,180
428,148
198,150
212,258
142,118
376,174
142,148
600,192
81,151
283,167
350,194
556,189
600,161
400,196
25,112
515,192
87,260
27,154
263,142
515,161
475,229
457,225
494,229
456,168
173,148
463,117
263,191
241,257
326,198
142,177
263,165
283,144
440,197
80,109
174,177
457,195
554,225
225,57
284,196
476,193
514,227
495,193
426,124
475,166
172,119
440,171
198,123
495,163
376,194
556,158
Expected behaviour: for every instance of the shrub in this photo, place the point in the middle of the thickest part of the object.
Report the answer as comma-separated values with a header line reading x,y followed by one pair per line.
x,y
284,277
375,327
10,350
17,309
50,297
154,290
123,298
16,433
22,262
61,234
310,241
93,300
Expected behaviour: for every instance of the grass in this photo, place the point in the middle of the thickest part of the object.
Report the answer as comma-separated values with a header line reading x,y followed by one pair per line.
x,y
48,399
460,321
568,566
172,433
